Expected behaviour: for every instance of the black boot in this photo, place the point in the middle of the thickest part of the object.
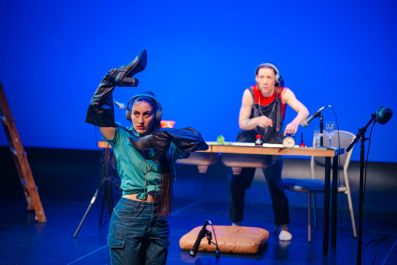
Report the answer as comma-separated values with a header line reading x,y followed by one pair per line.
x,y
101,110
185,139
125,73
158,140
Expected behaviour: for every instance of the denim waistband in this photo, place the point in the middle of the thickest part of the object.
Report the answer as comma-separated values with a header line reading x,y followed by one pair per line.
x,y
130,202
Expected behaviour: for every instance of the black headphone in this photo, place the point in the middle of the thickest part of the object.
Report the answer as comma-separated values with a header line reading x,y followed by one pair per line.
x,y
150,98
279,79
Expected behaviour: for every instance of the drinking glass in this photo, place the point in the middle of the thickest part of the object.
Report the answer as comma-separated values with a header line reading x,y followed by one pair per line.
x,y
317,137
330,130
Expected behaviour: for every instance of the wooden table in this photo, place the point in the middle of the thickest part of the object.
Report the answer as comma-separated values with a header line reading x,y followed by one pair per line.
x,y
277,150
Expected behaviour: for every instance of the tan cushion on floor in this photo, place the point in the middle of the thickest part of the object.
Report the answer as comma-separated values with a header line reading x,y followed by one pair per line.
x,y
231,239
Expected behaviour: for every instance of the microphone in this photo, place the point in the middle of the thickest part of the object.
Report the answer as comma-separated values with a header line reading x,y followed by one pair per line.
x,y
383,115
119,105
200,236
306,122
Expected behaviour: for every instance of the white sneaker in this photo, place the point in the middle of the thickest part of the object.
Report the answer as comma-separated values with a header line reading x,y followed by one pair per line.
x,y
235,223
285,235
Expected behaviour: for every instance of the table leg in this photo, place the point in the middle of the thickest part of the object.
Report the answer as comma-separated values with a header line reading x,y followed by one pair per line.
x,y
334,205
326,204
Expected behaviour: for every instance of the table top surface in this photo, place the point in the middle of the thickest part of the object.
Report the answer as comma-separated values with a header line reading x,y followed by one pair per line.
x,y
265,149
270,149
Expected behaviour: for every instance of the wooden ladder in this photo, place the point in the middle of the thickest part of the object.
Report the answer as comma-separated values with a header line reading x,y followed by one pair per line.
x,y
21,160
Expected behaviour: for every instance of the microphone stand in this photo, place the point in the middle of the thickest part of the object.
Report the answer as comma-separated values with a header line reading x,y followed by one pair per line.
x,y
320,117
205,233
361,136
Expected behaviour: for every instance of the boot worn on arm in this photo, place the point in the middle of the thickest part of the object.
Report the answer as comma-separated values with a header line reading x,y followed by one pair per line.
x,y
101,110
124,76
158,140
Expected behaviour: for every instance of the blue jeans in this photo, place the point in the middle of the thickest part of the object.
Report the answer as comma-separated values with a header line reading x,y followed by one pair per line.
x,y
137,234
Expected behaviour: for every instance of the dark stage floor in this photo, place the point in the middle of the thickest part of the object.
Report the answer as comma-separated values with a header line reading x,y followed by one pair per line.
x,y
67,180
23,241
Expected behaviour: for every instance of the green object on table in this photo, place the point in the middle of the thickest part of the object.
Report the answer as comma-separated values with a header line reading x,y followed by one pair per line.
x,y
220,139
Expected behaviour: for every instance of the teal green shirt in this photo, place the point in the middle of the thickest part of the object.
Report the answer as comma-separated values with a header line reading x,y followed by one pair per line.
x,y
132,167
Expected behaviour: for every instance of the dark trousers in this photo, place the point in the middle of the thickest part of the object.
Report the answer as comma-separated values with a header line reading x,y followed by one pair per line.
x,y
240,183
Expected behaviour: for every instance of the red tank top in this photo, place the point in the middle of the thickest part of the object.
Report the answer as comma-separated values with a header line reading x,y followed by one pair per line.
x,y
265,101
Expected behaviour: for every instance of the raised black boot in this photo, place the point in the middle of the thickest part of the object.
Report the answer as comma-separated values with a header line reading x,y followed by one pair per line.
x,y
125,74
101,110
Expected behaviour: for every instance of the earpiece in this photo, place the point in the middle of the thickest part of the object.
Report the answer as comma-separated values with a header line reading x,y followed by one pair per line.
x,y
152,100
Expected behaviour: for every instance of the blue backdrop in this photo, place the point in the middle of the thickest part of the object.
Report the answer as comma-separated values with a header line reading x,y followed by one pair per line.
x,y
201,56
